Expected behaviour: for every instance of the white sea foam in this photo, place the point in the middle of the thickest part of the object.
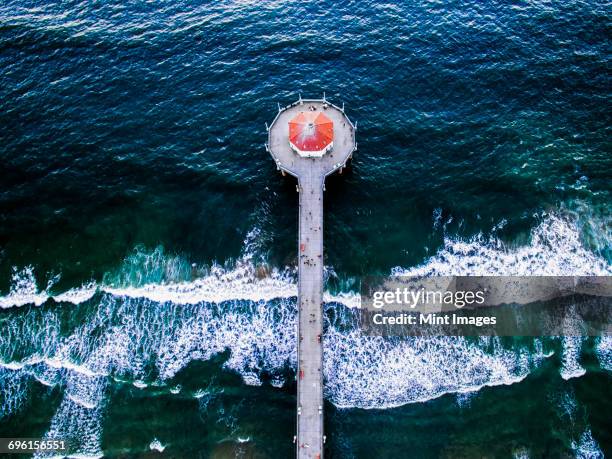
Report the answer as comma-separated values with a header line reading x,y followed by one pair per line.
x,y
604,352
374,372
77,422
24,290
521,453
13,390
176,389
555,249
131,330
156,445
13,365
77,295
570,357
220,285
368,372
239,283
568,407
586,447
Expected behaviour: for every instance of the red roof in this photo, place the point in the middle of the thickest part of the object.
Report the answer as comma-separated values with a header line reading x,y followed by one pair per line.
x,y
311,131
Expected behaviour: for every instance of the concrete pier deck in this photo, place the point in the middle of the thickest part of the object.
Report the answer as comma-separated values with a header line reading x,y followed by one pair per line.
x,y
311,173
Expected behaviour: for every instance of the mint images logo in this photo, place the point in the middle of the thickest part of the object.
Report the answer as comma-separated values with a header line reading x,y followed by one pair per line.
x,y
487,306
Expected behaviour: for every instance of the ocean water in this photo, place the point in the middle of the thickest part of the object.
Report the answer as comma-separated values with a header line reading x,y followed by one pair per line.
x,y
148,244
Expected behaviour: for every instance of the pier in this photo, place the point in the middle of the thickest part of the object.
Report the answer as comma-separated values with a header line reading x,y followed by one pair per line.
x,y
303,144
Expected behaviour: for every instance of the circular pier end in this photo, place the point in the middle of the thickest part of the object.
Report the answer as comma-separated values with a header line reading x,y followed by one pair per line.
x,y
289,161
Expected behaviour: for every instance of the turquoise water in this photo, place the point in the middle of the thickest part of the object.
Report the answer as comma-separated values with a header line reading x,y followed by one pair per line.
x,y
147,242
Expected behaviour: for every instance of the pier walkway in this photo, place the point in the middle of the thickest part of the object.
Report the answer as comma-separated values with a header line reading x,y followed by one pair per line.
x,y
310,173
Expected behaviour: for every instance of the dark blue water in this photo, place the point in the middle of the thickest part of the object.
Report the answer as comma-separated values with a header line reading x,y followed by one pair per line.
x,y
136,191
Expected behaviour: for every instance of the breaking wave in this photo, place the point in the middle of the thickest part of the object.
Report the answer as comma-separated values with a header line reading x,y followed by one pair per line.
x,y
244,280
555,249
145,332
